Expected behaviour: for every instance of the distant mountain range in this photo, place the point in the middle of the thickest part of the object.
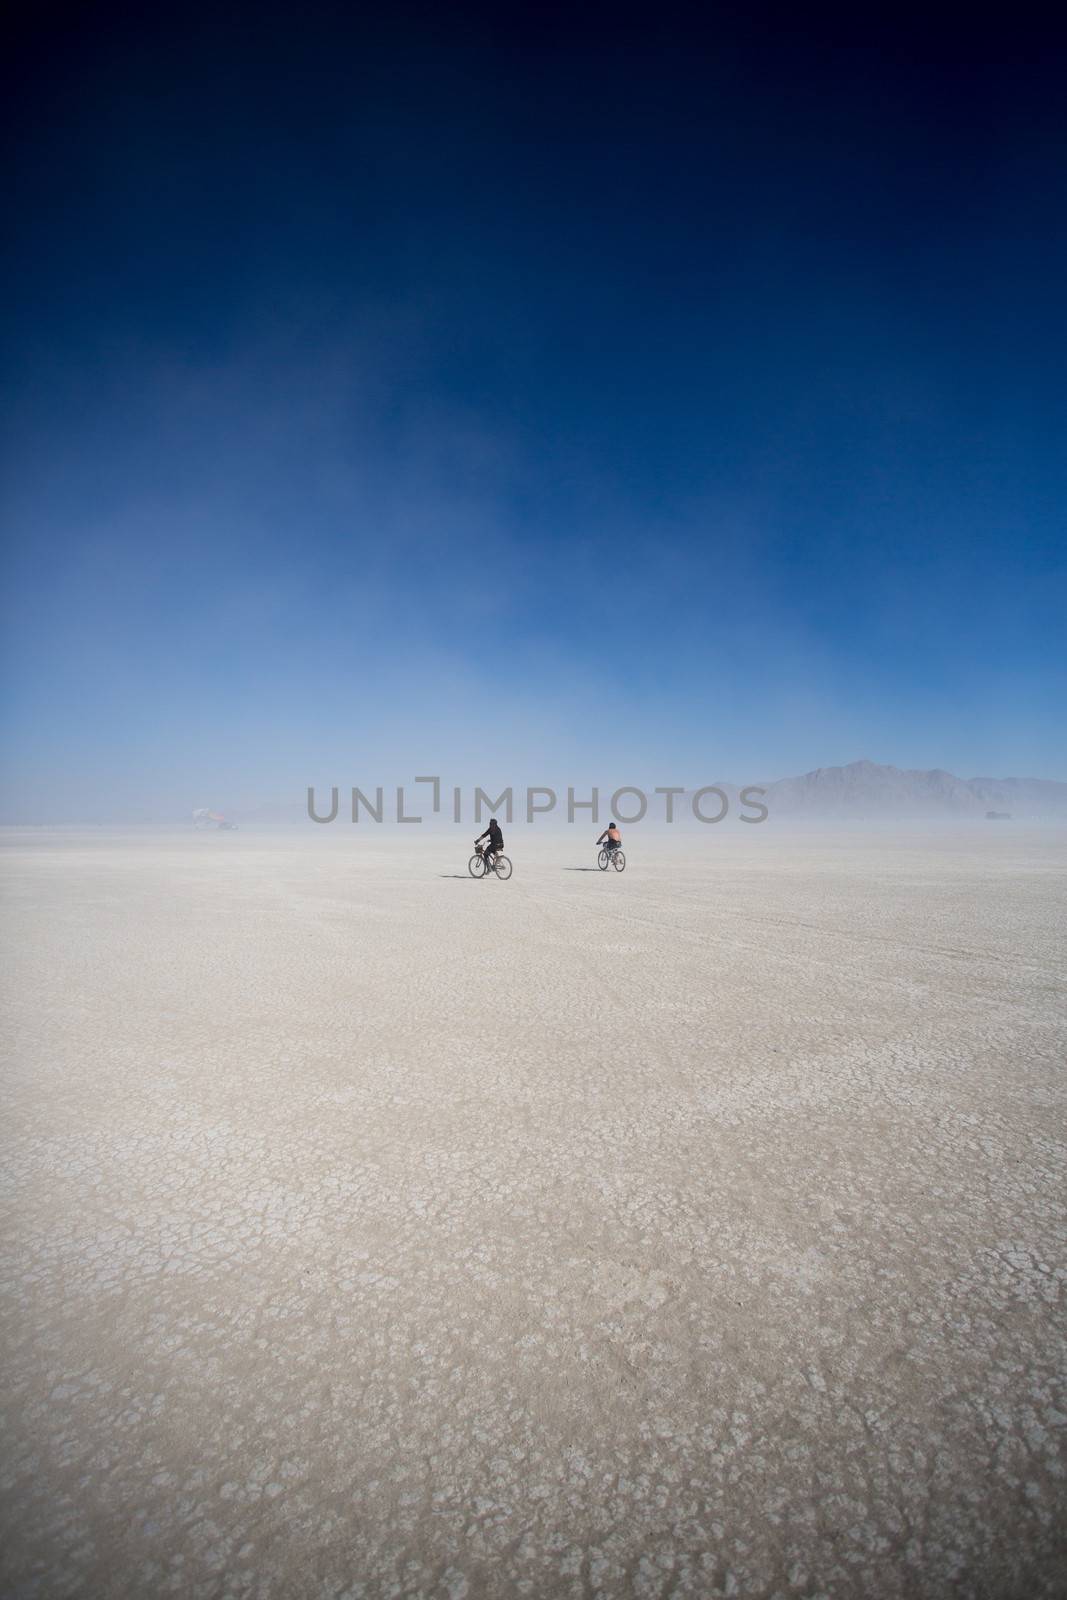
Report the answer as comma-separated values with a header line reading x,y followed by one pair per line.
x,y
865,789
862,789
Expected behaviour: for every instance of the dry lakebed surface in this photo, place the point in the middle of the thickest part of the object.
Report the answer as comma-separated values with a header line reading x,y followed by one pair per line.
x,y
696,1230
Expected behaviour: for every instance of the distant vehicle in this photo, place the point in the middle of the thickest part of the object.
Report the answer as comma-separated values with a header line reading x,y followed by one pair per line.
x,y
204,817
998,816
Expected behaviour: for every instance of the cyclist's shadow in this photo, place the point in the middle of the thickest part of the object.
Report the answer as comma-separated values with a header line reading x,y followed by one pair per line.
x,y
581,869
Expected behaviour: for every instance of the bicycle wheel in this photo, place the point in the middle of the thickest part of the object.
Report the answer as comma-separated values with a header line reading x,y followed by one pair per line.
x,y
619,862
503,868
602,861
476,866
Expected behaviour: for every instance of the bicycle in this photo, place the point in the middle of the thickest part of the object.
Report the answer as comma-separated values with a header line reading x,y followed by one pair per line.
x,y
616,858
478,867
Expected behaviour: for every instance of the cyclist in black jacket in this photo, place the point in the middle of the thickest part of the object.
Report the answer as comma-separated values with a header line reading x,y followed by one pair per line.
x,y
495,845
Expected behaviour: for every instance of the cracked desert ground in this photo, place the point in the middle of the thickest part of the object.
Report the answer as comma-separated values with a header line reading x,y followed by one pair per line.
x,y
693,1231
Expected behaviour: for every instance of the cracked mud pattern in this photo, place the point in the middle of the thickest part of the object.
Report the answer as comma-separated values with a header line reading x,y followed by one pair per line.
x,y
372,1232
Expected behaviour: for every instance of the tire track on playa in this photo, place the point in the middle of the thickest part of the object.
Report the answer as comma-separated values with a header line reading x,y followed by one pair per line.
x,y
617,917
648,1034
853,936
806,958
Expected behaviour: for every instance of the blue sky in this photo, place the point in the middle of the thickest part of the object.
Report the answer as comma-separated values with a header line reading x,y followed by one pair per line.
x,y
525,399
